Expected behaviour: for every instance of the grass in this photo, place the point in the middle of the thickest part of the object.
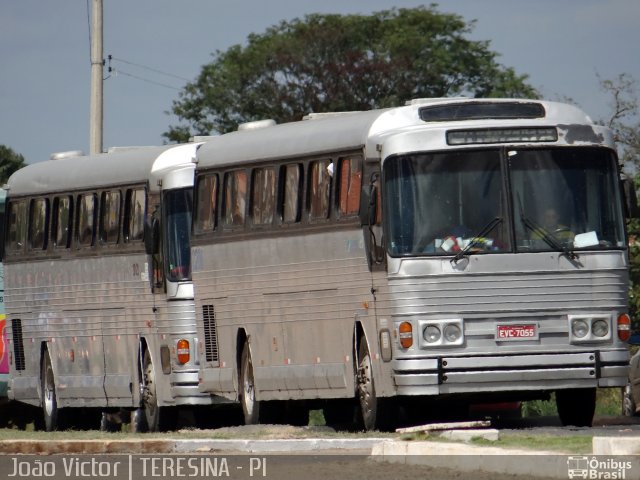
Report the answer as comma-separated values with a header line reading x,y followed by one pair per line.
x,y
608,403
573,444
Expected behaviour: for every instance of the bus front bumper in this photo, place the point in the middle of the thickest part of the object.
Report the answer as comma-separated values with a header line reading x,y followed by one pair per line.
x,y
547,371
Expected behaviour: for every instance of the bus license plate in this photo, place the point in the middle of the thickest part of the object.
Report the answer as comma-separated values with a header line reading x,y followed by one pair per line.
x,y
525,331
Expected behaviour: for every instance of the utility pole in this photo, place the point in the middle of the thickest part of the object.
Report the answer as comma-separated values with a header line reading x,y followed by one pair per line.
x,y
97,64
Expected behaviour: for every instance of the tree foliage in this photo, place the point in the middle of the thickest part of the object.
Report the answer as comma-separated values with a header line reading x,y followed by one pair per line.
x,y
327,63
10,161
625,123
625,116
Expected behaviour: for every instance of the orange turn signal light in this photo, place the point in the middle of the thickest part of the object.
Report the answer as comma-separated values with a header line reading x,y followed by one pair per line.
x,y
624,327
182,351
405,331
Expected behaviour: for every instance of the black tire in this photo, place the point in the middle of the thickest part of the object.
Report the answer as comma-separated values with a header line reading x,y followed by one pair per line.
x,y
50,411
250,406
150,417
628,402
576,406
373,411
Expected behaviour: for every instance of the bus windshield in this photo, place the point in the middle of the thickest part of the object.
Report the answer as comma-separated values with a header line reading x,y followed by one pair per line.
x,y
567,196
447,202
436,203
178,204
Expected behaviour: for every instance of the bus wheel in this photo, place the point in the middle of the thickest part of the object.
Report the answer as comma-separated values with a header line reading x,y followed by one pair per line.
x,y
576,406
628,402
365,388
49,399
250,406
150,417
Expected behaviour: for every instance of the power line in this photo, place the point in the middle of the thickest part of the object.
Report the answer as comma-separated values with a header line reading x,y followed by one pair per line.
x,y
142,79
151,69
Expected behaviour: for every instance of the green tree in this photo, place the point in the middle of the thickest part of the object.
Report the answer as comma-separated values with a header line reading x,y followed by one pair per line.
x,y
10,161
327,63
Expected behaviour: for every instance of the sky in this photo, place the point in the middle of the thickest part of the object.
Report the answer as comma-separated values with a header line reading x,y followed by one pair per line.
x,y
160,45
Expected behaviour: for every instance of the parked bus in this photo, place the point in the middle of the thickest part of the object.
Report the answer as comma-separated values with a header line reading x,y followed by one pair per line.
x,y
4,357
460,249
94,322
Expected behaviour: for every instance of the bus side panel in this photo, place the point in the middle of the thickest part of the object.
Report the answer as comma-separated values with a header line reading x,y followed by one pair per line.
x,y
88,314
297,298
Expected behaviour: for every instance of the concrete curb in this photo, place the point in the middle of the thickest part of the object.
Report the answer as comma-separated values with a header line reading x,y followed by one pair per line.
x,y
363,446
616,445
47,447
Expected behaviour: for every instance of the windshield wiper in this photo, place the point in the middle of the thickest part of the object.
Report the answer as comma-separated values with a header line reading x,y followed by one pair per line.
x,y
477,238
545,235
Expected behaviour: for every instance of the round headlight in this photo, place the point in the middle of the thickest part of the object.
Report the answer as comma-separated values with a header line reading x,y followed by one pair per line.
x,y
579,328
431,334
600,328
452,333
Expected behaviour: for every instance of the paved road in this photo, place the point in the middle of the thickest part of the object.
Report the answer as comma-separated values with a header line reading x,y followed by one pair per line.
x,y
290,467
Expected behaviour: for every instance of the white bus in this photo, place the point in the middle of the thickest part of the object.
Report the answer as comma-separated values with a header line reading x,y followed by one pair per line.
x,y
93,321
455,249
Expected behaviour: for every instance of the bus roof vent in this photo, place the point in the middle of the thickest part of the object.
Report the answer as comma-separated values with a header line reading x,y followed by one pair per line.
x,y
321,115
69,154
202,138
269,122
481,110
425,101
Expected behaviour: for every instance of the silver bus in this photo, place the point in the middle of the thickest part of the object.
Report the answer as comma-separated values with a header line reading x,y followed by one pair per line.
x,y
93,321
464,250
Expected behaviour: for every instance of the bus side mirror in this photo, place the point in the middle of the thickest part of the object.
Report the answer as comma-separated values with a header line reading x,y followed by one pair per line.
x,y
152,235
630,198
375,250
373,204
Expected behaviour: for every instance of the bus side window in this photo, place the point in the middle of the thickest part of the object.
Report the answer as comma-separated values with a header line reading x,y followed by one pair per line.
x,y
350,177
38,223
263,196
86,220
134,212
207,204
61,228
110,217
17,231
291,192
235,198
319,189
